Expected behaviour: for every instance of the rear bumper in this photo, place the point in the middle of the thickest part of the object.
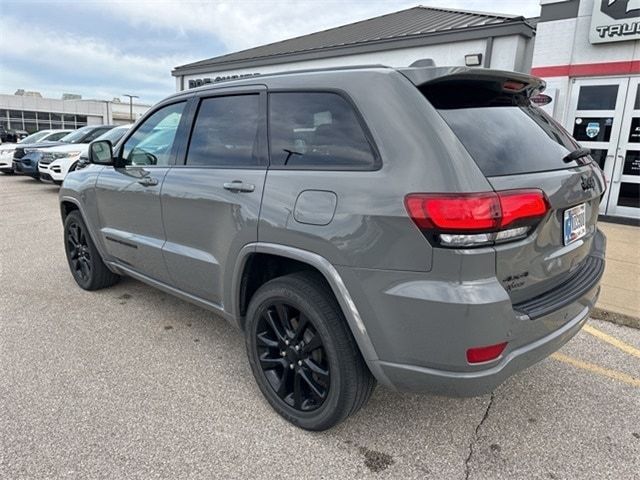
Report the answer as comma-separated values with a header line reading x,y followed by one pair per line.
x,y
452,383
421,326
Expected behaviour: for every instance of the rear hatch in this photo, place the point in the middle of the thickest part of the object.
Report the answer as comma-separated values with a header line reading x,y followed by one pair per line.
x,y
519,147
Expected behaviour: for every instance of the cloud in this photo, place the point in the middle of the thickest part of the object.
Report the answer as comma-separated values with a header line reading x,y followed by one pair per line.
x,y
107,48
85,61
243,24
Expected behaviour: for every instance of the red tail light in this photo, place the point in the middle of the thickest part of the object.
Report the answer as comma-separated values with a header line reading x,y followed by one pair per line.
x,y
485,354
477,218
518,206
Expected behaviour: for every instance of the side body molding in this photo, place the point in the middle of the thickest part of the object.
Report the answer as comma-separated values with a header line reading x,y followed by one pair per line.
x,y
356,325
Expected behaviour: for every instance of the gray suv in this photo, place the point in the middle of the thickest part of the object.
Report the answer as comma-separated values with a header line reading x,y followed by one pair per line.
x,y
426,228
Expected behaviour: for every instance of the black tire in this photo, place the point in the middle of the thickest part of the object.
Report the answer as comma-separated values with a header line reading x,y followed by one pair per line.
x,y
85,263
348,385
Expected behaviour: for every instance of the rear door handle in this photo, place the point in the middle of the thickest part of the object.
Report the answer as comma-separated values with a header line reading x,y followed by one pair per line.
x,y
238,186
148,181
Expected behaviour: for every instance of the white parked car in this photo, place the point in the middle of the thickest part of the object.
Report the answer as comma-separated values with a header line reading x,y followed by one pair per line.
x,y
7,149
57,162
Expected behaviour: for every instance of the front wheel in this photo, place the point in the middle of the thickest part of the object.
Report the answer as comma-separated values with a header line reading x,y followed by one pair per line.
x,y
87,268
302,354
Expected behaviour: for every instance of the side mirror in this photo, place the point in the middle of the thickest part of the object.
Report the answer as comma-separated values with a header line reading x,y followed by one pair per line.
x,y
101,152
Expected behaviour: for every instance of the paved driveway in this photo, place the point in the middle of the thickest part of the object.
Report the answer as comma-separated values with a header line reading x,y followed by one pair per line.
x,y
132,383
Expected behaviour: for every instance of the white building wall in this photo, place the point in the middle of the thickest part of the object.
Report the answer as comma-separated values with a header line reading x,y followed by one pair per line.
x,y
504,53
94,110
98,112
504,56
566,42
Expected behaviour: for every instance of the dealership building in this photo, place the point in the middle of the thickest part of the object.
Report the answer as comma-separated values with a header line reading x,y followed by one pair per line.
x,y
587,51
31,112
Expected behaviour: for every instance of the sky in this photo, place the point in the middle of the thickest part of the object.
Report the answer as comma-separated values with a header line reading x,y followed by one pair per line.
x,y
107,48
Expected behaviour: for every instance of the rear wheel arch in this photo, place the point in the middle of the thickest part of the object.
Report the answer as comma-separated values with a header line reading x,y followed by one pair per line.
x,y
297,260
259,268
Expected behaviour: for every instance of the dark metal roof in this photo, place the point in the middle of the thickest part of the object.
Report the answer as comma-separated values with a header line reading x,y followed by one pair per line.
x,y
413,23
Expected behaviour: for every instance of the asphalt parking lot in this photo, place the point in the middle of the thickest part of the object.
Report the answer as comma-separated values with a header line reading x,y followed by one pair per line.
x,y
129,382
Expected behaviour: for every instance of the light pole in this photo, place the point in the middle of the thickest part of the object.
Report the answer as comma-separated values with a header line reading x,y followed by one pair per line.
x,y
131,97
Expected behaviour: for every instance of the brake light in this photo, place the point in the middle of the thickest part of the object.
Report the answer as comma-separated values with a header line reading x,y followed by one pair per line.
x,y
513,86
463,220
485,354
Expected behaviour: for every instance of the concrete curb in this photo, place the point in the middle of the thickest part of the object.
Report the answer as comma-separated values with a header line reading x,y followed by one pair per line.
x,y
617,318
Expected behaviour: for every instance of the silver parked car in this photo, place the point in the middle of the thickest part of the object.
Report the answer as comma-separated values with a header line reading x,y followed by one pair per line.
x,y
425,227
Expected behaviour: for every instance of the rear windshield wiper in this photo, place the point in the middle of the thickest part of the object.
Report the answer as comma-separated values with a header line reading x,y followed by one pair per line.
x,y
576,154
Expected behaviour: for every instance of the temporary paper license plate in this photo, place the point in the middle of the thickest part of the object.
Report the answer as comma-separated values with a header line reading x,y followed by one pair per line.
x,y
575,225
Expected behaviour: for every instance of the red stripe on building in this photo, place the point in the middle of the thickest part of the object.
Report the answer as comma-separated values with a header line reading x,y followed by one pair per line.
x,y
588,69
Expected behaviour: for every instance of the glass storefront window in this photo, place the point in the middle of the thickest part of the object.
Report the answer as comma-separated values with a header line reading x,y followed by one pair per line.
x,y
629,195
634,131
15,114
598,97
631,163
599,155
593,129
30,127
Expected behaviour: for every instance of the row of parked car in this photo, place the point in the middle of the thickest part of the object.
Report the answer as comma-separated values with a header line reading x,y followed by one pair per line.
x,y
49,155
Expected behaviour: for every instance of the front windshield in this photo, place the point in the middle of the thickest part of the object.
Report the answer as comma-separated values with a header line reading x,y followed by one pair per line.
x,y
114,134
34,137
76,135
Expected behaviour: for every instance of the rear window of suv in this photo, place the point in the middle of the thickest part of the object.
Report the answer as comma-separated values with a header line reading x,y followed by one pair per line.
x,y
502,131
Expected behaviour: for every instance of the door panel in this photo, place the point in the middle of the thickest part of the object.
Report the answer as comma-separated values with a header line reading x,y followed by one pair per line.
x,y
211,204
207,227
131,218
128,194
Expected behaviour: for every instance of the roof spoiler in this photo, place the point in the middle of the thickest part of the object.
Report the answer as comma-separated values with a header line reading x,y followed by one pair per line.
x,y
514,81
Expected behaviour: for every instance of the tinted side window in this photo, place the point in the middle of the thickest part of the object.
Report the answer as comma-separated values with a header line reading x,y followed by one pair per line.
x,y
317,130
152,142
226,132
56,136
95,134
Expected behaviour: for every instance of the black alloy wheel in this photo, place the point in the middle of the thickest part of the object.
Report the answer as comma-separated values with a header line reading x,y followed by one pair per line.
x,y
79,252
292,356
85,263
302,353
